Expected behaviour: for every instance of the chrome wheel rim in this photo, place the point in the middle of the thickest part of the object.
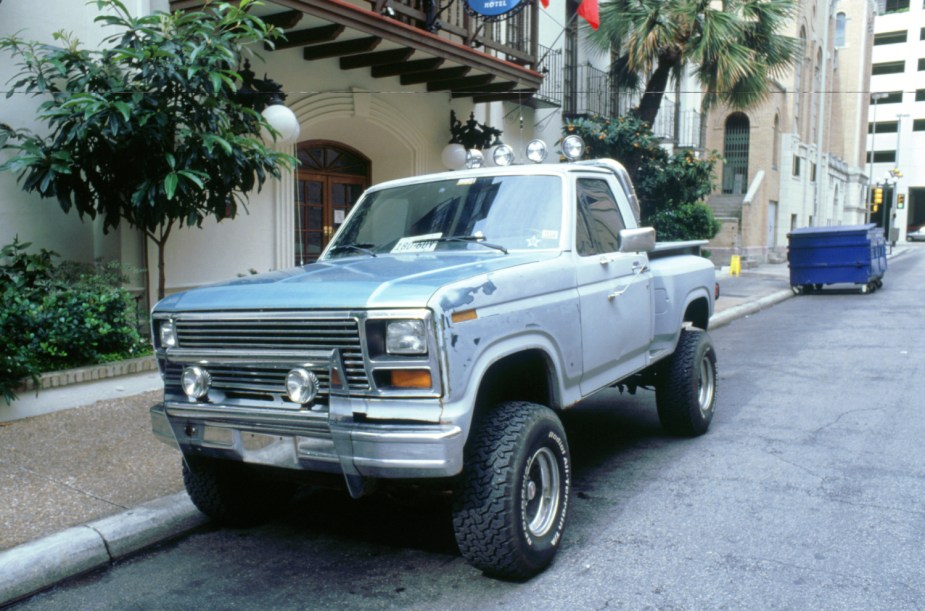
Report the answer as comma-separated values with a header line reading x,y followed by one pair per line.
x,y
541,492
706,385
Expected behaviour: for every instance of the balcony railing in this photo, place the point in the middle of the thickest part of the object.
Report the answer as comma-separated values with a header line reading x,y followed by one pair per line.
x,y
512,39
597,95
550,66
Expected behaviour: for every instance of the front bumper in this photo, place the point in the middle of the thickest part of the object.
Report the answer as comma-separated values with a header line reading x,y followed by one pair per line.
x,y
311,441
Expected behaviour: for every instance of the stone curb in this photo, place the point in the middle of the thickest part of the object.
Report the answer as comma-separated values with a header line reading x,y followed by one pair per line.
x,y
34,566
753,307
90,373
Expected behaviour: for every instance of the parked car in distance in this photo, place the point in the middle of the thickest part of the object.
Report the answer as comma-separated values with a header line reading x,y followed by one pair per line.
x,y
916,236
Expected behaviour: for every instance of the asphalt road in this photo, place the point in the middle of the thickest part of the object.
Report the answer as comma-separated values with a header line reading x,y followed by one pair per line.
x,y
807,493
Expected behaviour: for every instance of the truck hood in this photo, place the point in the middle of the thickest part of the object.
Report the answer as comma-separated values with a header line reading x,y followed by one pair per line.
x,y
386,281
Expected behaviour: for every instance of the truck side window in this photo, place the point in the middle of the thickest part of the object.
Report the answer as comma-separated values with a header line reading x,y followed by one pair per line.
x,y
598,220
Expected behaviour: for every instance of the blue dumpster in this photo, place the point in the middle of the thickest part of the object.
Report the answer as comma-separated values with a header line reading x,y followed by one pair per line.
x,y
853,254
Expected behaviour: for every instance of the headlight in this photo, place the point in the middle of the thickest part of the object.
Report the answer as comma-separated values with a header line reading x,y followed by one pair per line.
x,y
405,337
168,335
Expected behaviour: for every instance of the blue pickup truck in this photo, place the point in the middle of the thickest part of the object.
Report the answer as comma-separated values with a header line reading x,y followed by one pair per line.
x,y
435,342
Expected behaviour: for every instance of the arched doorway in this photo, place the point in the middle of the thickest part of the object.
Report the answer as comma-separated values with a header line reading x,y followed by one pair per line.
x,y
735,150
330,179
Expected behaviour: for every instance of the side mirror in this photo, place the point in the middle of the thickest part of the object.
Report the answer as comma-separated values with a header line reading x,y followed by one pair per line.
x,y
637,240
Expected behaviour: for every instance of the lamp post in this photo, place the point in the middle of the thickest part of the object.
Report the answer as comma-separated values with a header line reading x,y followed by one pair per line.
x,y
876,97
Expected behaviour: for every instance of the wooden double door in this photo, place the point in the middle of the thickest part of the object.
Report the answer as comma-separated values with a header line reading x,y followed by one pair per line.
x,y
331,178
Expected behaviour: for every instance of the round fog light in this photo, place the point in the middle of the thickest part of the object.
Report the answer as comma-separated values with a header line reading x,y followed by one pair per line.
x,y
502,155
195,382
301,386
536,151
474,159
573,147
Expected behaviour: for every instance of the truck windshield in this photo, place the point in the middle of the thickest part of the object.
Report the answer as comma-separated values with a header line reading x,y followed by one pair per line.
x,y
490,213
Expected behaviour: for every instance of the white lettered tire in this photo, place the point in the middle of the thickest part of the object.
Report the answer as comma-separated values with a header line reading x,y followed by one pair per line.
x,y
509,513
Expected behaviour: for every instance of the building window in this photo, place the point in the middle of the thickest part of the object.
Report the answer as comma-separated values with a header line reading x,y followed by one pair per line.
x,y
883,157
892,97
922,34
812,172
840,22
883,127
918,125
735,150
775,147
921,64
890,38
920,95
892,6
798,84
796,165
891,67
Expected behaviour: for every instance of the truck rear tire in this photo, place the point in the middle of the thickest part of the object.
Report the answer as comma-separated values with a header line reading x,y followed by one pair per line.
x,y
231,493
509,512
685,392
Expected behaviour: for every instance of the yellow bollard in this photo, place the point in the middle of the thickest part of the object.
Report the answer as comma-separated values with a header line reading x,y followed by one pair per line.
x,y
735,265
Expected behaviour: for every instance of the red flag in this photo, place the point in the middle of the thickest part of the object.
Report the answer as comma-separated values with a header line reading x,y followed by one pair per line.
x,y
545,3
588,10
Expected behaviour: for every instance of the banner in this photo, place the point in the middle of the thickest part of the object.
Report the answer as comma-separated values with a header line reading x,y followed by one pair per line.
x,y
587,9
494,9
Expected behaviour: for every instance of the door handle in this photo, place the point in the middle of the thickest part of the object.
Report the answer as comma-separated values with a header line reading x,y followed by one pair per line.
x,y
616,294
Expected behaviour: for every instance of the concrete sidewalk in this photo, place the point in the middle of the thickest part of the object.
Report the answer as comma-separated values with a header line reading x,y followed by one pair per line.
x,y
84,482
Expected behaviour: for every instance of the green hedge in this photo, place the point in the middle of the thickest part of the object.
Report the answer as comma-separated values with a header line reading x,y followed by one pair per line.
x,y
61,316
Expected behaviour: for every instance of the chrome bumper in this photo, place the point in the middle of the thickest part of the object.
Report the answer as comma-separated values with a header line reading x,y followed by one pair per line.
x,y
311,441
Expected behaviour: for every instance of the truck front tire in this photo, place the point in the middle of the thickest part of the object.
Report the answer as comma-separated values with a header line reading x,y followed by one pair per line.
x,y
685,392
509,512
231,493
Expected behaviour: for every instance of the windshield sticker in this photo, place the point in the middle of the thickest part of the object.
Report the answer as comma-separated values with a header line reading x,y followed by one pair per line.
x,y
550,234
417,243
465,181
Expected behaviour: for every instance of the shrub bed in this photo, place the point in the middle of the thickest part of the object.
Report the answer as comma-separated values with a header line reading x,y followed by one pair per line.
x,y
57,316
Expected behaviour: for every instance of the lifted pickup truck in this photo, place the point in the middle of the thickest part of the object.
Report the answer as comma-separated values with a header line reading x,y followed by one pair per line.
x,y
435,341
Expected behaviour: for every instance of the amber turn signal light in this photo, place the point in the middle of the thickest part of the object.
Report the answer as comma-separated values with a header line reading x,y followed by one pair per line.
x,y
411,378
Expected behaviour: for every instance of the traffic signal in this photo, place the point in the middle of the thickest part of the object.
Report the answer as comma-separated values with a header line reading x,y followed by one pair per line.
x,y
900,201
877,199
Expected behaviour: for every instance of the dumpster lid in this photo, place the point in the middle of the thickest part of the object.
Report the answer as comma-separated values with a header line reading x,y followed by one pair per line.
x,y
833,229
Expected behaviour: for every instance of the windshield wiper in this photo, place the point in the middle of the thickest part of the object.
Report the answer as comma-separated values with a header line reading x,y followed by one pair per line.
x,y
477,239
363,247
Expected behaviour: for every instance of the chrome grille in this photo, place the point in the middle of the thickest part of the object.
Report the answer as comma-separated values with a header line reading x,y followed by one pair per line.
x,y
268,334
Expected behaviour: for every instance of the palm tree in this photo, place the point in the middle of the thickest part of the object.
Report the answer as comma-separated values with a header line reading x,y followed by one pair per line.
x,y
735,50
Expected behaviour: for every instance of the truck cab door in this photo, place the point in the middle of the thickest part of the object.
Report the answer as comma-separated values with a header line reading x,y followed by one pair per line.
x,y
614,288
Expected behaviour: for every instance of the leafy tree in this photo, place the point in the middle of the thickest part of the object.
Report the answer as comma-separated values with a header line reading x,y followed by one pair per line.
x,y
671,187
735,47
147,129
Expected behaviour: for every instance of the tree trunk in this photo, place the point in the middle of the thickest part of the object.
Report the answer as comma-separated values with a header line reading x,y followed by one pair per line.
x,y
161,242
655,91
